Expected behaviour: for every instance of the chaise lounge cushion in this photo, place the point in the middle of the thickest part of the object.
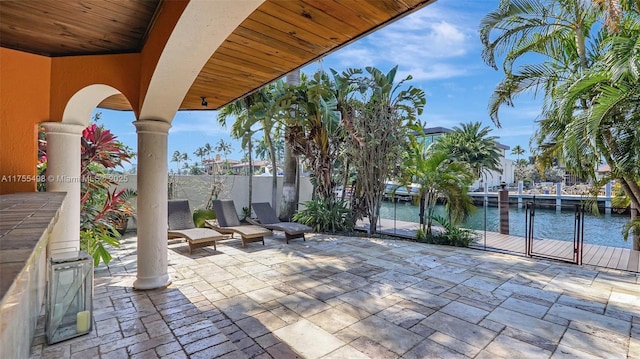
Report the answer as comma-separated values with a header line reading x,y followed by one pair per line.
x,y
180,221
267,218
228,222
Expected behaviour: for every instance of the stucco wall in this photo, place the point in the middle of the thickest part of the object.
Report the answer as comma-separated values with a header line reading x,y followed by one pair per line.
x,y
24,103
197,189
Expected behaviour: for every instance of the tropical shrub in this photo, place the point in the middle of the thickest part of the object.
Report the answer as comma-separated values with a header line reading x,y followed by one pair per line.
x,y
325,215
451,235
201,215
376,111
102,209
438,179
631,228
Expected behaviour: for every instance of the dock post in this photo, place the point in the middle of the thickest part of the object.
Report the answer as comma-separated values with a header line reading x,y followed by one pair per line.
x,y
558,196
486,191
520,188
607,198
503,205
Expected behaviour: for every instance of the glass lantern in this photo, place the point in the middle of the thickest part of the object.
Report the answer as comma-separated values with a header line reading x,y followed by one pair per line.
x,y
69,310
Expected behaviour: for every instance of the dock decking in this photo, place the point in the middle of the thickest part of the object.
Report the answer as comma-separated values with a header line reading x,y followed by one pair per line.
x,y
595,255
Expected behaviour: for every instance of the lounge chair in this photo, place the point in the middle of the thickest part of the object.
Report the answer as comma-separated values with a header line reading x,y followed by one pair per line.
x,y
267,218
181,226
229,223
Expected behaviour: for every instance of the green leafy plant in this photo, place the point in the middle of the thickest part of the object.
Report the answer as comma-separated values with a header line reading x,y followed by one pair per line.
x,y
121,219
246,212
102,208
451,235
201,215
325,215
631,228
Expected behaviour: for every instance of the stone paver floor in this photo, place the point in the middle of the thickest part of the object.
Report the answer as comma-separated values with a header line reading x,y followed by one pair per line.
x,y
342,297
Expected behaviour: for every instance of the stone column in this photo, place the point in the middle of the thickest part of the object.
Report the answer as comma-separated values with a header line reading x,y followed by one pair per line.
x,y
63,175
558,197
503,207
152,204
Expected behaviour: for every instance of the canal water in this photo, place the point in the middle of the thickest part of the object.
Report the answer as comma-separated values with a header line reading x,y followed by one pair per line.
x,y
605,229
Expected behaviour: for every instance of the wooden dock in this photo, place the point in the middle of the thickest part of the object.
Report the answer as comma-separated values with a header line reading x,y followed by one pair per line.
x,y
595,255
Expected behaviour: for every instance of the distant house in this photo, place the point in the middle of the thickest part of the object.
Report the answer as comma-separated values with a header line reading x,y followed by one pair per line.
x,y
241,168
218,166
493,178
602,171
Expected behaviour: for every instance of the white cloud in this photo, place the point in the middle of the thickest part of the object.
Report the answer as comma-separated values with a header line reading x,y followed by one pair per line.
x,y
434,71
356,56
203,123
419,44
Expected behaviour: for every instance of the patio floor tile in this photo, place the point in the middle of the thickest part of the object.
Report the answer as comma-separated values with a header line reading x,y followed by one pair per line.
x,y
308,339
387,334
344,297
527,323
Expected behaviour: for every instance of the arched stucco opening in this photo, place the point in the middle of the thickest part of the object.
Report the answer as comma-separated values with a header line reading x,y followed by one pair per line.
x,y
63,172
80,106
202,28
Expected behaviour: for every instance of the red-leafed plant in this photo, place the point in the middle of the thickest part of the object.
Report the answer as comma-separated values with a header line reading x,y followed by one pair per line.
x,y
103,208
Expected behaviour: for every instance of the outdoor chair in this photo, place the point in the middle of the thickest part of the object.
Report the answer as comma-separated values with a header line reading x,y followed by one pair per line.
x,y
267,218
181,226
229,223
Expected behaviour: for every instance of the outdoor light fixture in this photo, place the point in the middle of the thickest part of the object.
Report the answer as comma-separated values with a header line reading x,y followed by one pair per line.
x,y
204,101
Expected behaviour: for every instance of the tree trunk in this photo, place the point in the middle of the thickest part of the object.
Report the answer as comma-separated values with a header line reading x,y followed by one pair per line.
x,y
290,194
345,183
373,224
274,174
290,185
421,213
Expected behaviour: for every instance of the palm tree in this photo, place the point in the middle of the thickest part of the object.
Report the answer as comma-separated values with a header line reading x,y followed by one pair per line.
x,y
554,29
518,151
178,157
241,129
253,109
607,124
438,177
262,149
376,111
265,111
200,152
471,143
589,78
343,90
312,122
223,147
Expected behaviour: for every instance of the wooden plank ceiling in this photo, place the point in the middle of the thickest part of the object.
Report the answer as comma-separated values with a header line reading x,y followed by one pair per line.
x,y
75,27
280,36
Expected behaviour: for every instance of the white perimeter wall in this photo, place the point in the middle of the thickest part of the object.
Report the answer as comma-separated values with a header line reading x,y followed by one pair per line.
x,y
197,189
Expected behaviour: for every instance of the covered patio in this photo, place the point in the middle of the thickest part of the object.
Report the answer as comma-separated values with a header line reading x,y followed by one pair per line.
x,y
63,58
346,297
328,297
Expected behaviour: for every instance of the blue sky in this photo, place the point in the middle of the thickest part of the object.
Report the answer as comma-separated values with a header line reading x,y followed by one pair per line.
x,y
438,45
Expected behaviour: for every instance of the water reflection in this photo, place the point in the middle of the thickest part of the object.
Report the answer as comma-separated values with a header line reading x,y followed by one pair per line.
x,y
605,229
